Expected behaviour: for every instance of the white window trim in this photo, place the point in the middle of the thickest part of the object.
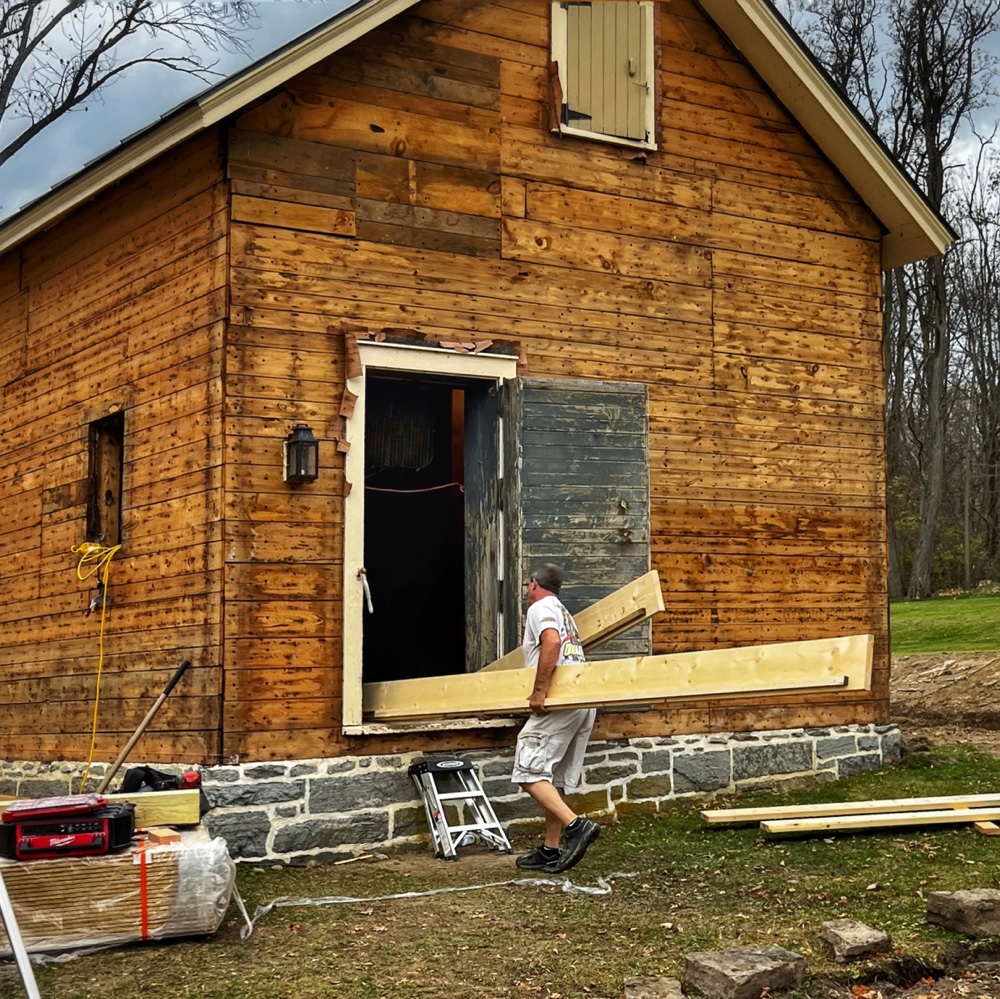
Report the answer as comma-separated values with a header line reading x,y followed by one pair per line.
x,y
560,46
417,359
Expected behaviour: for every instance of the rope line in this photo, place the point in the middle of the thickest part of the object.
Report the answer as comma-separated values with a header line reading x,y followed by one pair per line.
x,y
97,560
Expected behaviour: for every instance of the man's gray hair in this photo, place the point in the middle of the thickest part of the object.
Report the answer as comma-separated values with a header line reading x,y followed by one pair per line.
x,y
548,577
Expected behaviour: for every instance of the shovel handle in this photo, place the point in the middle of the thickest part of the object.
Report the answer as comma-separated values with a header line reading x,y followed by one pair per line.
x,y
181,670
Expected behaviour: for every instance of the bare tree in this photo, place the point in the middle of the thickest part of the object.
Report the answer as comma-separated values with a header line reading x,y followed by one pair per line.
x,y
917,69
55,56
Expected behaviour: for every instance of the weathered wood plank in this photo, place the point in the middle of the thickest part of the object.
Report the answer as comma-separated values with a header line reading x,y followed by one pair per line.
x,y
289,215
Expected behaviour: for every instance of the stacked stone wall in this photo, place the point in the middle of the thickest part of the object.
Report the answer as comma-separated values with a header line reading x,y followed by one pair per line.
x,y
319,810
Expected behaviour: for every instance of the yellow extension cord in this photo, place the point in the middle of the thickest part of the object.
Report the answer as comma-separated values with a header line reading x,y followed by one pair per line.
x,y
95,557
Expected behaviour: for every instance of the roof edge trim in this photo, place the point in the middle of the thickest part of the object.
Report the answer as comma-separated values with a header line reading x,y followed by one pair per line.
x,y
200,113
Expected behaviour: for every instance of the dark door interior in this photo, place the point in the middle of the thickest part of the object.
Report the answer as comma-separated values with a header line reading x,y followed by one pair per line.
x,y
430,481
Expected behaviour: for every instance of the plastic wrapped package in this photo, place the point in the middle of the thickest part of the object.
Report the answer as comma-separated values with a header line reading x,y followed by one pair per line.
x,y
144,893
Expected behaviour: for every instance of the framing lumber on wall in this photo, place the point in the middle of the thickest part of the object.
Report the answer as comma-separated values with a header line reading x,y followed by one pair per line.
x,y
821,663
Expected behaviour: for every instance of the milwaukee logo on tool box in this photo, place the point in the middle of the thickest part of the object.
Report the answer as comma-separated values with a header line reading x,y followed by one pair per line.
x,y
75,825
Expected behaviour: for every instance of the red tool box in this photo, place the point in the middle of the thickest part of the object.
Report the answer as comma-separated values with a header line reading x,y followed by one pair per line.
x,y
75,825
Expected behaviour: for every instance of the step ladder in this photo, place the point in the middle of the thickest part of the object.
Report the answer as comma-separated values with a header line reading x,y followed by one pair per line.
x,y
17,947
454,780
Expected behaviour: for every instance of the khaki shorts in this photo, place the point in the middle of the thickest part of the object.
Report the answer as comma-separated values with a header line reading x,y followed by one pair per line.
x,y
551,747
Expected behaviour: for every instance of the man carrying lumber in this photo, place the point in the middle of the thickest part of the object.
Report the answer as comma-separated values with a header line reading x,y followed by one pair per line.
x,y
548,760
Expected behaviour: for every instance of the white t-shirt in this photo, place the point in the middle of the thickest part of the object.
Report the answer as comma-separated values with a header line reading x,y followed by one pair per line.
x,y
550,613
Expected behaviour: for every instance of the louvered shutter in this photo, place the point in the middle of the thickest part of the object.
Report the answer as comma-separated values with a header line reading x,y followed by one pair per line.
x,y
606,72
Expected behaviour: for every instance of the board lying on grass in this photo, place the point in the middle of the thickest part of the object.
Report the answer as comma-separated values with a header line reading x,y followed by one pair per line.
x,y
607,618
848,816
843,663
736,816
883,820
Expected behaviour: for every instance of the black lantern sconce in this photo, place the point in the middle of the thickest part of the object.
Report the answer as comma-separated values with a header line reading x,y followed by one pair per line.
x,y
301,455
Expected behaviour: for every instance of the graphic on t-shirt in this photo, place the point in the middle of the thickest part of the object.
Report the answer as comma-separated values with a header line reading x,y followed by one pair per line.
x,y
572,647
546,613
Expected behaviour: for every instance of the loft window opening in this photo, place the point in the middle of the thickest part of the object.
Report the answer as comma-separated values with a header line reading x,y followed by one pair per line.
x,y
104,480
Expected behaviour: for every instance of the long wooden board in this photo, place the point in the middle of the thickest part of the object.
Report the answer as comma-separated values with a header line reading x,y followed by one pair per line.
x,y
735,816
607,618
159,808
885,820
718,673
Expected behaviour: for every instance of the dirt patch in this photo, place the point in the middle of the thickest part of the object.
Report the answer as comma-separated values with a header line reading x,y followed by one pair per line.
x,y
948,699
940,699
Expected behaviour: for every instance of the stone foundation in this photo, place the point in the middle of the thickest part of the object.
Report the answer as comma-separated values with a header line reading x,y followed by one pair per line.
x,y
319,810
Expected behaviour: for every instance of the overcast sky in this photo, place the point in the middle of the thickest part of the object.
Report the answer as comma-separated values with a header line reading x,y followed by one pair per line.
x,y
136,101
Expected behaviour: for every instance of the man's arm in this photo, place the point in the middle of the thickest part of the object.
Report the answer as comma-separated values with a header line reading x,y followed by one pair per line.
x,y
548,657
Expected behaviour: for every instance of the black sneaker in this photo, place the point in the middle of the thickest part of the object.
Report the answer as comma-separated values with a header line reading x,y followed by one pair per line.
x,y
539,858
577,837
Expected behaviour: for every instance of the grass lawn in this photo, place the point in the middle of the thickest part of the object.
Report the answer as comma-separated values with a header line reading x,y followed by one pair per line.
x,y
962,623
688,888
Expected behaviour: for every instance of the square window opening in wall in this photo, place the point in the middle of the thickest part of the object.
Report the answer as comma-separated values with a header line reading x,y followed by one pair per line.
x,y
604,55
104,480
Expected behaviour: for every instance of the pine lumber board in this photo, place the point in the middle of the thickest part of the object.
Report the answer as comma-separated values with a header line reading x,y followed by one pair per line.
x,y
842,663
735,816
606,618
986,828
163,808
880,820
156,808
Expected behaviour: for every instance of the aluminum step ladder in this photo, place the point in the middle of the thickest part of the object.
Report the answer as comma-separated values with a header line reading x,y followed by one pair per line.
x,y
17,947
452,780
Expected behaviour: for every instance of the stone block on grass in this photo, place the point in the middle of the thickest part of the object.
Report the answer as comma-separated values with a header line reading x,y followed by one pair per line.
x,y
743,972
975,913
850,939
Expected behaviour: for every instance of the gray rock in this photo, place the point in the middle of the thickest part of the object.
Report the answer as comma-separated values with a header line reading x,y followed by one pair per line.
x,y
743,973
850,939
701,771
764,761
976,912
653,988
328,834
245,832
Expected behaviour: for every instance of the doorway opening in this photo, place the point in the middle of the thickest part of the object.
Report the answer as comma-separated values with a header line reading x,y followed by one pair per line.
x,y
430,473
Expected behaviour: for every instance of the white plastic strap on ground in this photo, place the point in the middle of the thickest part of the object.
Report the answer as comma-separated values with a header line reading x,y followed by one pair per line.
x,y
602,888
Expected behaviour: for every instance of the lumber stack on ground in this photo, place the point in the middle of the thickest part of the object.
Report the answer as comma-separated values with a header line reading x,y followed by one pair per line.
x,y
147,893
981,810
843,663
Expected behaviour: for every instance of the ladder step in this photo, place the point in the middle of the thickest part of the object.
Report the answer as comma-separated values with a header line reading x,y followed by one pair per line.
x,y
446,837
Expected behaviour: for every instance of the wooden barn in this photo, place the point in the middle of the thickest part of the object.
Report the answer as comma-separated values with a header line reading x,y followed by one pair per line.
x,y
594,283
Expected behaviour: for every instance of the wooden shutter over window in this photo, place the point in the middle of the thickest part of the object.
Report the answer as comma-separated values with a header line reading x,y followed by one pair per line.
x,y
606,72
576,493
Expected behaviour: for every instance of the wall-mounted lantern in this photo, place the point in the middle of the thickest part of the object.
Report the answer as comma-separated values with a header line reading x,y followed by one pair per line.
x,y
301,455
